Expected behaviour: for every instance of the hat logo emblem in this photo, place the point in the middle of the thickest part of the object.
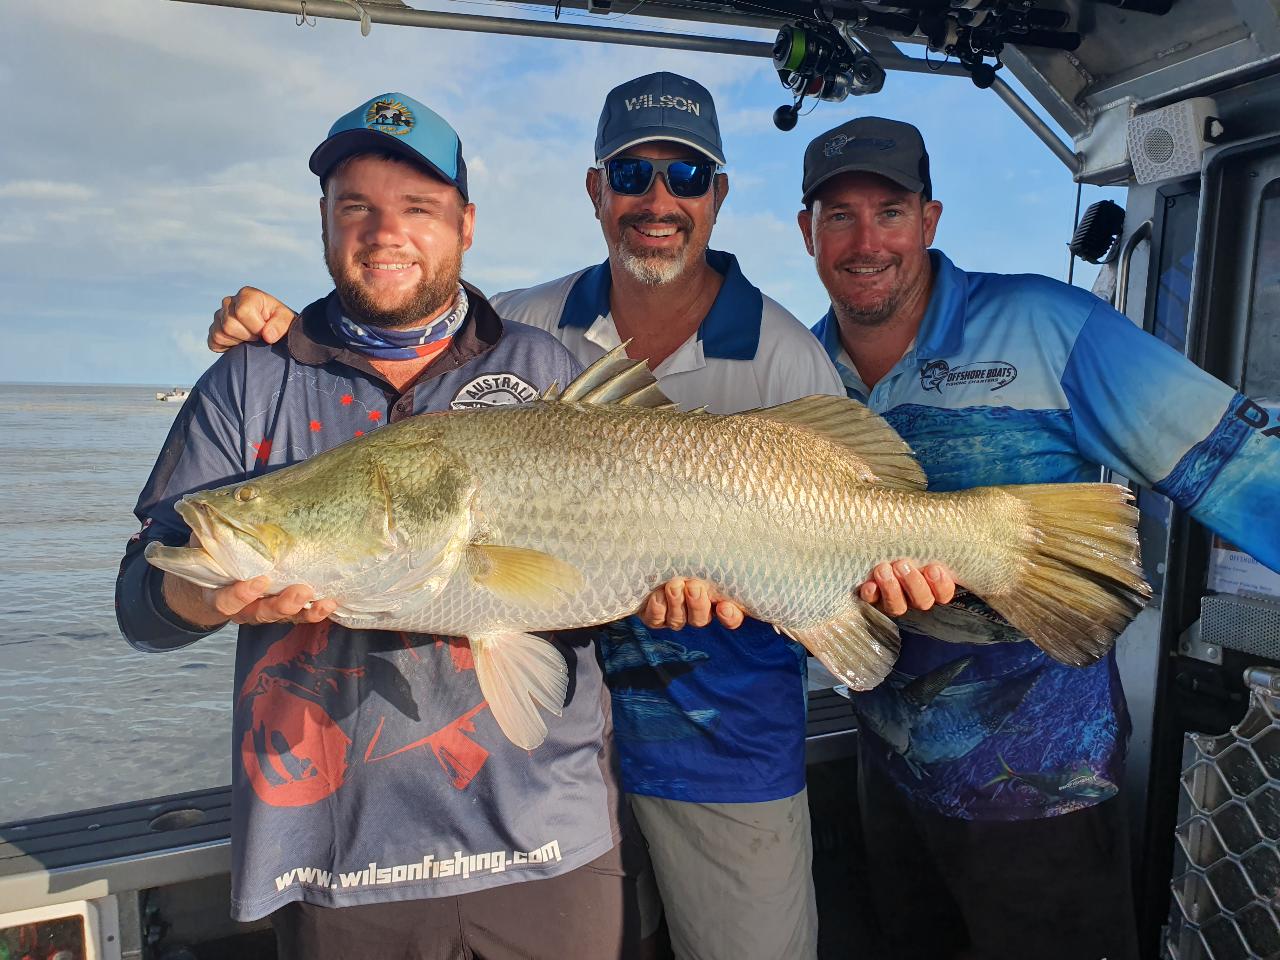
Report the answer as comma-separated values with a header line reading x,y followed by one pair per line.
x,y
835,146
389,116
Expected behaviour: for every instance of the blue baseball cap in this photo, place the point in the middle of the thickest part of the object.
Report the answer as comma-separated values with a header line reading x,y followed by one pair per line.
x,y
660,106
394,123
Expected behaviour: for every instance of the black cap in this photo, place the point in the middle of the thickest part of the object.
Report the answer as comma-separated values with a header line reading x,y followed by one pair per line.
x,y
889,148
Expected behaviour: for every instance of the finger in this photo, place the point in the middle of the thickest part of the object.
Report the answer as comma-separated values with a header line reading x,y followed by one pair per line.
x,y
676,617
654,612
697,603
277,324
231,600
919,596
869,592
941,582
316,611
892,601
729,614
291,601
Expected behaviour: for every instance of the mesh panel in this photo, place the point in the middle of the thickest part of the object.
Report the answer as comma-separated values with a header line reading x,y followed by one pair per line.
x,y
1237,623
1226,886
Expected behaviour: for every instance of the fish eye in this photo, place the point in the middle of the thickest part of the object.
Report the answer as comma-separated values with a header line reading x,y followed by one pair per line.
x,y
246,493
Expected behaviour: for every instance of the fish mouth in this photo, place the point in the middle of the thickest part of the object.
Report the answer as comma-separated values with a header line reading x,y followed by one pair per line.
x,y
210,526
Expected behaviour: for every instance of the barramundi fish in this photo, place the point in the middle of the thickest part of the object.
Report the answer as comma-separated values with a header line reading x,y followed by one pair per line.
x,y
566,511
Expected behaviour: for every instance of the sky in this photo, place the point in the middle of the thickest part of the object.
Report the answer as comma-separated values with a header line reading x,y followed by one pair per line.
x,y
155,159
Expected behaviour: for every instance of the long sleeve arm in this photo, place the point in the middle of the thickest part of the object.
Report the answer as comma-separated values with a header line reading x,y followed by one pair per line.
x,y
202,450
1143,409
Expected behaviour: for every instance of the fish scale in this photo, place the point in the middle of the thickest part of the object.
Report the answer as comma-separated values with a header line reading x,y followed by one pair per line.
x,y
563,513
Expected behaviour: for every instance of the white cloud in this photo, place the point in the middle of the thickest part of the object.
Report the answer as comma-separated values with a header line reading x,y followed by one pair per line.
x,y
44,190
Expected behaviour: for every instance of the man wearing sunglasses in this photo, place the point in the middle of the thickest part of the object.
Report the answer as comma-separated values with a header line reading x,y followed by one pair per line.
x,y
709,721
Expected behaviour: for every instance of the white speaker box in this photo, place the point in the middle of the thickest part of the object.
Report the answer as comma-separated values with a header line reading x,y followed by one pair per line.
x,y
1170,141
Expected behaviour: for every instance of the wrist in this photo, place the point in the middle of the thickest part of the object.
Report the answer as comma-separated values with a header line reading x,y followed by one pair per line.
x,y
190,602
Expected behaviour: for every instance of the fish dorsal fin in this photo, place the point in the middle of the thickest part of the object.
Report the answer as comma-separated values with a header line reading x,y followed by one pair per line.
x,y
616,378
883,456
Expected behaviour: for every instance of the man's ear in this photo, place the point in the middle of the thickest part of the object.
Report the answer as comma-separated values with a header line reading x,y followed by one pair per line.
x,y
932,213
805,221
593,185
721,190
468,225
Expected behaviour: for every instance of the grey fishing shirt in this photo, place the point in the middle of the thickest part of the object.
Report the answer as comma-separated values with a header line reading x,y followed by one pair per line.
x,y
366,764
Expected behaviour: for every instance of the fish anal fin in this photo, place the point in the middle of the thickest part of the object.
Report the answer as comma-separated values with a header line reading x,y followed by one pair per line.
x,y
521,575
863,434
517,672
859,647
616,378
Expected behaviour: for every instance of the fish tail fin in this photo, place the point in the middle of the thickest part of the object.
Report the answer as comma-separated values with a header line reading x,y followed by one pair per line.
x,y
516,672
1079,582
860,646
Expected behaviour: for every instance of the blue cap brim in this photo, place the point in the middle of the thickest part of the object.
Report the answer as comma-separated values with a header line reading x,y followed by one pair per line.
x,y
349,142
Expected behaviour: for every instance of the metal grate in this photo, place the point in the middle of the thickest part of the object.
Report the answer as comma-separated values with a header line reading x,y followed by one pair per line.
x,y
1226,887
1240,623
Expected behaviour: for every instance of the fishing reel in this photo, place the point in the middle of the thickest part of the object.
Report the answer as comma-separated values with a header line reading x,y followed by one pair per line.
x,y
818,60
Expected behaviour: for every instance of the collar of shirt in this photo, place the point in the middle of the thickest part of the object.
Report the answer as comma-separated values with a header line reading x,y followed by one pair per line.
x,y
311,340
941,331
730,330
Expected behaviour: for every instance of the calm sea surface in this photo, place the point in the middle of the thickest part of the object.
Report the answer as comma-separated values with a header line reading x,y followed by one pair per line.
x,y
84,719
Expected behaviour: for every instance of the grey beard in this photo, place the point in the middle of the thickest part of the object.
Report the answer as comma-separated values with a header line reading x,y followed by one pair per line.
x,y
652,270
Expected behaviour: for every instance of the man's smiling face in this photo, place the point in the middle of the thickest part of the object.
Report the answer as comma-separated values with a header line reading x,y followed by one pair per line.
x,y
869,238
394,236
656,237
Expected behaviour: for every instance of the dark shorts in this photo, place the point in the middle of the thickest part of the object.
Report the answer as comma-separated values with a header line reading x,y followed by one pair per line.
x,y
590,913
1058,888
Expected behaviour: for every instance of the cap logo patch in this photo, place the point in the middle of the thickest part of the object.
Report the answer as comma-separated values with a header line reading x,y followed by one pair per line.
x,y
389,116
649,101
835,146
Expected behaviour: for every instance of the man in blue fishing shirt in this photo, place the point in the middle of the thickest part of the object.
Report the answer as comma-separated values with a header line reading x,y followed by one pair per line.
x,y
989,772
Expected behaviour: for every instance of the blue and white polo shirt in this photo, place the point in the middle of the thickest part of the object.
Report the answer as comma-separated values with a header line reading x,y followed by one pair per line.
x,y
1022,379
705,715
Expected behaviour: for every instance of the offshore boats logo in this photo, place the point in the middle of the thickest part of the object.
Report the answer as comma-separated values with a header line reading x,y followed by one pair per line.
x,y
389,116
936,374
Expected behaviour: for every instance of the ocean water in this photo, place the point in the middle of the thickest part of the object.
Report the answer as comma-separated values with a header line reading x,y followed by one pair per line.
x,y
84,719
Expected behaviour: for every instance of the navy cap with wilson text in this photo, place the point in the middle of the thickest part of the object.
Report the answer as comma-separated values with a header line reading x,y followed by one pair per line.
x,y
397,124
659,106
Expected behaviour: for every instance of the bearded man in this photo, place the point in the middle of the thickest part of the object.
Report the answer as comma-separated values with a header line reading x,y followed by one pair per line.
x,y
378,810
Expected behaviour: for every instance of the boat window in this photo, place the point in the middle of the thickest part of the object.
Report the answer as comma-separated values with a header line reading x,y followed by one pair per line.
x,y
1177,237
1262,351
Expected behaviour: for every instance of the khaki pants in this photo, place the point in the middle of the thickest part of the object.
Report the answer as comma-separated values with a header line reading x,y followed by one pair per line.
x,y
736,879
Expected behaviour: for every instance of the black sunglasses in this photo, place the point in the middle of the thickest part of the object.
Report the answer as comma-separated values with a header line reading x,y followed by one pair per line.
x,y
633,176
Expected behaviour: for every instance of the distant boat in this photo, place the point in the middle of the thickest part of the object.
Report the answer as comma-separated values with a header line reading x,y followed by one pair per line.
x,y
177,394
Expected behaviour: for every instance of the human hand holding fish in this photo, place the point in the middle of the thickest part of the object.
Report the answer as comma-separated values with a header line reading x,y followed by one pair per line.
x,y
892,587
569,510
244,602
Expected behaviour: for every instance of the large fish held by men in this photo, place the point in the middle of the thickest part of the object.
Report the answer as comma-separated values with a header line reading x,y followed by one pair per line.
x,y
567,511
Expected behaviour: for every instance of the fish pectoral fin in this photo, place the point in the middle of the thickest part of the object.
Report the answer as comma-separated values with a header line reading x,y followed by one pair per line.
x,y
517,672
859,646
880,454
190,563
521,575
